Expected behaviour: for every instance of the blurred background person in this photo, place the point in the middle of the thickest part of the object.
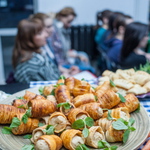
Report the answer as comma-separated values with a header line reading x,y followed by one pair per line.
x,y
135,40
29,62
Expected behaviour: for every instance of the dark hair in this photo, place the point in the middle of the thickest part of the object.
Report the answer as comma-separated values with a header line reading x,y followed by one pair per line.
x,y
66,12
134,33
103,14
27,29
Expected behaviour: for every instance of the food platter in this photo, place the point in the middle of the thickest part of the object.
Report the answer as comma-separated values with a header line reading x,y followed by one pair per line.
x,y
136,138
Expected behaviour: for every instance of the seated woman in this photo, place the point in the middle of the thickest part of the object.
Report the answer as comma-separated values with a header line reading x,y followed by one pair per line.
x,y
115,43
28,60
48,24
61,42
135,39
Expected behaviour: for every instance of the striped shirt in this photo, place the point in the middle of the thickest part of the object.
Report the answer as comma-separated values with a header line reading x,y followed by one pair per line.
x,y
38,68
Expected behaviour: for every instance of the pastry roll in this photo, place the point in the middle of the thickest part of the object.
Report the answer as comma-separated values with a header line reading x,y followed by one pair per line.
x,y
41,108
29,95
44,120
108,73
37,133
48,89
62,94
70,82
72,138
107,99
61,81
113,135
48,142
59,121
104,123
8,112
137,90
147,86
51,98
117,113
20,102
105,86
83,99
39,97
93,109
76,114
95,134
132,103
25,128
81,87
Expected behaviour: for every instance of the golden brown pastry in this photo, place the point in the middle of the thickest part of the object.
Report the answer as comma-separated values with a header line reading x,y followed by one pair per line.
x,y
106,86
8,112
39,97
48,89
61,81
95,134
37,133
20,103
76,114
48,142
132,103
41,108
59,121
51,98
113,135
70,82
29,95
44,120
107,99
104,123
117,113
62,94
23,128
93,109
81,87
72,138
83,99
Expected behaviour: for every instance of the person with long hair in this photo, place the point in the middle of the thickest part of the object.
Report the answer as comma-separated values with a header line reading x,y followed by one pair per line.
x,y
30,64
135,40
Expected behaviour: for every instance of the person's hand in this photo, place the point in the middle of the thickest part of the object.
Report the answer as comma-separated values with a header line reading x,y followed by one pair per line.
x,y
74,70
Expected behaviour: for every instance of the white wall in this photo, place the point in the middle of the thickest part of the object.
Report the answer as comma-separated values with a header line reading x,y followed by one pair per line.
x,y
86,9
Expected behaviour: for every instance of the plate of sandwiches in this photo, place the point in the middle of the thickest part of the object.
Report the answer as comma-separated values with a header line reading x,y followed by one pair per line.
x,y
72,114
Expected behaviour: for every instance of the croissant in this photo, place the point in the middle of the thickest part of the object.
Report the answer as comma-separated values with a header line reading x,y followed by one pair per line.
x,y
62,94
51,98
81,87
117,113
106,86
61,81
59,121
108,99
48,89
29,95
83,99
132,103
20,102
39,97
72,138
41,108
76,114
93,109
8,112
104,123
37,133
48,142
70,82
95,134
113,135
25,128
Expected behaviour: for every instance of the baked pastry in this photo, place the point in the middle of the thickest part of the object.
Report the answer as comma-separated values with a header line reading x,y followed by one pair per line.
x,y
48,89
72,138
147,86
95,134
83,99
59,121
93,109
8,112
62,94
20,103
29,95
